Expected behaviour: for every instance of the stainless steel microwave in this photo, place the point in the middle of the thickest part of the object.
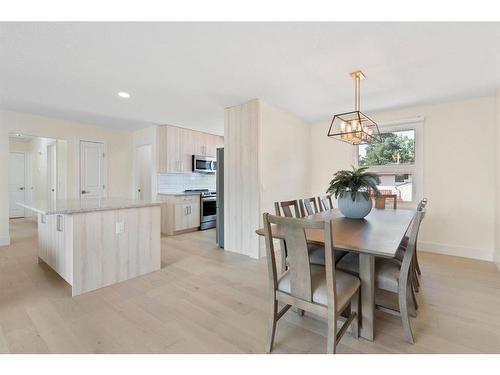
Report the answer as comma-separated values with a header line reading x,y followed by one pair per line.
x,y
204,164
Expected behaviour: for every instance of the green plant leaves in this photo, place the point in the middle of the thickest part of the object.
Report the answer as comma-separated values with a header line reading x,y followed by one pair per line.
x,y
354,181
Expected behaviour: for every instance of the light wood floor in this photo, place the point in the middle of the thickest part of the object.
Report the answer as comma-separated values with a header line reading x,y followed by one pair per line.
x,y
205,300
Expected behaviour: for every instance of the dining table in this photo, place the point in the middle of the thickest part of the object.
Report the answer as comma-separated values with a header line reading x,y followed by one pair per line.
x,y
379,234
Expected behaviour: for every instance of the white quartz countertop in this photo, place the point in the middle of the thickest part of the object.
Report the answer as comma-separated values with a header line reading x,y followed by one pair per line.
x,y
75,206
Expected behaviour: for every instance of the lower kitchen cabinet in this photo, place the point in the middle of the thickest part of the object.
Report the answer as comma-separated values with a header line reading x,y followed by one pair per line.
x,y
179,213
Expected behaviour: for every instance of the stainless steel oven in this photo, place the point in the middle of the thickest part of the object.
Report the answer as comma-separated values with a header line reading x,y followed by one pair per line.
x,y
208,215
204,164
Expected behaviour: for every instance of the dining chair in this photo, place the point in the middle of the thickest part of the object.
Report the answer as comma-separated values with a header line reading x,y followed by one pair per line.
x,y
325,203
286,207
393,277
321,290
402,247
309,206
316,252
421,205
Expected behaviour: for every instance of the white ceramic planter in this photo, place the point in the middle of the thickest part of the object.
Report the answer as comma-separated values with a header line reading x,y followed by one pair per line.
x,y
356,209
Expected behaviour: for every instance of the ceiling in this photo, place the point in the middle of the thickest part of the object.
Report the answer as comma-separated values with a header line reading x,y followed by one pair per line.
x,y
187,73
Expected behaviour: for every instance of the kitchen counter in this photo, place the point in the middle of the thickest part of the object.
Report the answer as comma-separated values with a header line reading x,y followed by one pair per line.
x,y
181,193
92,243
73,206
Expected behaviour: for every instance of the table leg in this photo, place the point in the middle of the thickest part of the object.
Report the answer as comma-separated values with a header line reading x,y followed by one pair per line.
x,y
367,276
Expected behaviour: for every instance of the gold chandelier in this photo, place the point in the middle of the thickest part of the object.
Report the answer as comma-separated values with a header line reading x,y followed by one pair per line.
x,y
354,127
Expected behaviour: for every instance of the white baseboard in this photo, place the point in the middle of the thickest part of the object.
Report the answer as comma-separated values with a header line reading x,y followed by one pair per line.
x,y
4,240
458,251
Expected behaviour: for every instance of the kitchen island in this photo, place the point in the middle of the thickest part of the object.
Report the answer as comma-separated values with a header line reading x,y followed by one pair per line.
x,y
94,243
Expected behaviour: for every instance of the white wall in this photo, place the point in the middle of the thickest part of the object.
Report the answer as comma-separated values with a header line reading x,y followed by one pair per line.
x,y
142,137
19,146
327,157
119,145
285,157
459,179
267,157
38,164
4,191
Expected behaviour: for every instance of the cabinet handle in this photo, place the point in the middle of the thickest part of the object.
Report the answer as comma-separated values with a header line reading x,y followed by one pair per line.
x,y
59,226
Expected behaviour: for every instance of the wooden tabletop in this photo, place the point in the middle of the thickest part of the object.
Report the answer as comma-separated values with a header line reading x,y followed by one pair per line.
x,y
379,233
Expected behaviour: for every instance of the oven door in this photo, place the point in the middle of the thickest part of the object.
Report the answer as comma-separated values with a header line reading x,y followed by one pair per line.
x,y
208,209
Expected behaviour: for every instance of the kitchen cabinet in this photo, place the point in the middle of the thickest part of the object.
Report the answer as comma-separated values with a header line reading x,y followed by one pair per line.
x,y
169,150
179,213
176,146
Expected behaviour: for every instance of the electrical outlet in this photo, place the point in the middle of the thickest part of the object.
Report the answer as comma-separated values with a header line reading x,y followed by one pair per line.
x,y
120,227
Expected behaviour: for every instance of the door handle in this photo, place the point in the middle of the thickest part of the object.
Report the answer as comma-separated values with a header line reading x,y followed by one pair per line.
x,y
21,188
84,192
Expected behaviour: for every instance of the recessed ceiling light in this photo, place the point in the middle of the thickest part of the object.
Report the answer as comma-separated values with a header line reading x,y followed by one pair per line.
x,y
123,94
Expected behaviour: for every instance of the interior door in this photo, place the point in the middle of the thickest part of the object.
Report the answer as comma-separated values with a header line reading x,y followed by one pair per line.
x,y
51,172
92,169
144,171
17,183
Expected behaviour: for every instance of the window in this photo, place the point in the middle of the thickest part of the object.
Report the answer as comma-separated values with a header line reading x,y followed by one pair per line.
x,y
396,160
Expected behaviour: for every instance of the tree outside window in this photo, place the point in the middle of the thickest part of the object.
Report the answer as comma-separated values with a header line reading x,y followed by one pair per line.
x,y
396,148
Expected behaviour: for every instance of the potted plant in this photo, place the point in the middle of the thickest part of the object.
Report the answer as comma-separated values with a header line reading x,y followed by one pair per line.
x,y
353,189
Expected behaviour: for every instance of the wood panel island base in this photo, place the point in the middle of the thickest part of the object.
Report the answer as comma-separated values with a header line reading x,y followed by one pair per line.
x,y
95,243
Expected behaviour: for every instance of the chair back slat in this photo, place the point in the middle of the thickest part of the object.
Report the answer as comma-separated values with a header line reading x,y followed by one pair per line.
x,y
325,203
299,267
298,261
310,206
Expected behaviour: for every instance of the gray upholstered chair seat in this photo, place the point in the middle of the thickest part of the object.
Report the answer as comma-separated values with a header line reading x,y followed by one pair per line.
x,y
386,271
317,254
346,285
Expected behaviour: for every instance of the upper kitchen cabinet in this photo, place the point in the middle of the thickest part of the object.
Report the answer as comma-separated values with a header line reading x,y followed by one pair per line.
x,y
177,145
169,149
206,144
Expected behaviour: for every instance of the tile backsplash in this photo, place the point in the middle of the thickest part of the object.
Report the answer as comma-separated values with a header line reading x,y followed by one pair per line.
x,y
178,182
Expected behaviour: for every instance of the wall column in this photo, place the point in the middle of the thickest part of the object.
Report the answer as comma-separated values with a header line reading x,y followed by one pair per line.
x,y
241,178
4,187
496,254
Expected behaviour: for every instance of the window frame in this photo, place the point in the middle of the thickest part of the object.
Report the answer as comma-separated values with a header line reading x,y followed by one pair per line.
x,y
416,169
